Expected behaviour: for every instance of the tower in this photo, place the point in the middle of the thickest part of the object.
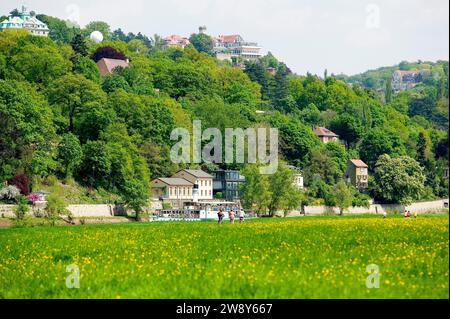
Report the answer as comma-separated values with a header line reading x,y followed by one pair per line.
x,y
202,29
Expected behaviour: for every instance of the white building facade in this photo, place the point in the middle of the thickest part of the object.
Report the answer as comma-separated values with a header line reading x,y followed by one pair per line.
x,y
25,21
203,183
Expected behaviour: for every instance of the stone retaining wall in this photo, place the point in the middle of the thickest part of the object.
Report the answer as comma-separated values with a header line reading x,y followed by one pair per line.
x,y
421,207
79,211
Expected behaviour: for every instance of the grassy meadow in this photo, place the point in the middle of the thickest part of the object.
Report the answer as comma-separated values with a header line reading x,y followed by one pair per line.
x,y
310,257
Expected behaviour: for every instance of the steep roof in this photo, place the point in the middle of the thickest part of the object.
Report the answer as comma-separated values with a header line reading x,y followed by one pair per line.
x,y
107,66
175,181
229,38
197,173
322,131
359,163
36,22
17,20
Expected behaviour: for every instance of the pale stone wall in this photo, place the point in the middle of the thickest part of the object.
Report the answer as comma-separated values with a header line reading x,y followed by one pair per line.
x,y
420,207
78,211
91,210
433,206
7,211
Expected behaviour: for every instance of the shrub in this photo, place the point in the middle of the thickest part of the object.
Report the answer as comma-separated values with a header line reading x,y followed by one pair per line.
x,y
107,52
51,180
56,207
33,197
22,208
9,193
218,195
21,182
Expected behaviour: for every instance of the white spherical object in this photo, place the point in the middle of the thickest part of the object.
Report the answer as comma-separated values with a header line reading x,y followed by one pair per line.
x,y
96,36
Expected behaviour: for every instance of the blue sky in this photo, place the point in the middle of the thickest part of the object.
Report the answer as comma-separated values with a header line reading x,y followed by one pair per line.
x,y
348,36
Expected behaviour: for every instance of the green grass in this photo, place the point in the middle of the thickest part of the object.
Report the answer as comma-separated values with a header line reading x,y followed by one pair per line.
x,y
323,257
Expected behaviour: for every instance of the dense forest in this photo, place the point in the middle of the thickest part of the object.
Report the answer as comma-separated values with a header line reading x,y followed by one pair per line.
x,y
63,125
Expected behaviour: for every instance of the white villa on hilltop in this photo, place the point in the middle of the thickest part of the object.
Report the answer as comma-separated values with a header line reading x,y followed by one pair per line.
x,y
226,47
26,21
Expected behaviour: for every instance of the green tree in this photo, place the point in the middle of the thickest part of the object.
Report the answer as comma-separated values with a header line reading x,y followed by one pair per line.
x,y
146,118
100,26
343,196
424,154
70,153
22,207
3,69
60,31
136,195
321,164
398,180
255,192
311,115
282,186
114,82
348,127
56,207
40,65
378,142
138,46
79,45
87,68
388,91
95,167
296,139
202,42
74,95
25,126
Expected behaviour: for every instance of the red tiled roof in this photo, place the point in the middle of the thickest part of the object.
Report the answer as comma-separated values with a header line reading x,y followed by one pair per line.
x,y
228,38
358,163
322,131
107,66
176,39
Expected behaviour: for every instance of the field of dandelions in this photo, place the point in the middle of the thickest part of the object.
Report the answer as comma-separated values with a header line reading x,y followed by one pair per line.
x,y
310,257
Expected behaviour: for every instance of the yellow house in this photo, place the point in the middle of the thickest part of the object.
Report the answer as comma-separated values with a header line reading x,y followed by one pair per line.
x,y
326,135
172,189
357,174
202,181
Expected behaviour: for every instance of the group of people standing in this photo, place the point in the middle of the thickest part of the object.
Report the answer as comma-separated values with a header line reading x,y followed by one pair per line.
x,y
408,214
232,216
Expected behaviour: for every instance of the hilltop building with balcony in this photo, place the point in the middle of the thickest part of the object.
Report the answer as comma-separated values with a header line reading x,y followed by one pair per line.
x,y
25,20
227,47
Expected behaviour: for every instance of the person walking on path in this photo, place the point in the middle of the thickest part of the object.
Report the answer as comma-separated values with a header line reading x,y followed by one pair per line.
x,y
232,216
241,217
220,214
